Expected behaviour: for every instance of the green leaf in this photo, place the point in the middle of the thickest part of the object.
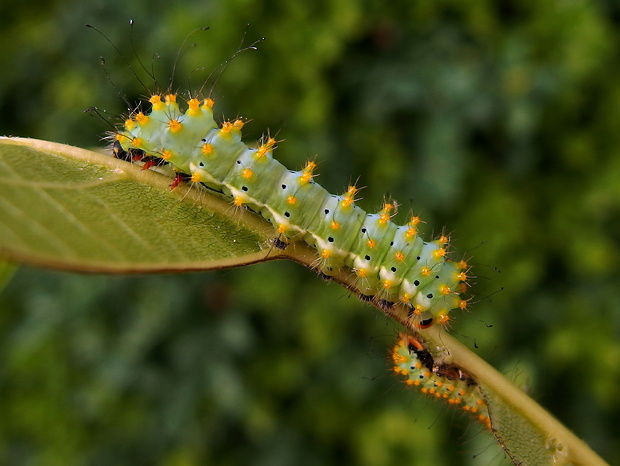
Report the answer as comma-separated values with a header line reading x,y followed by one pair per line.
x,y
73,209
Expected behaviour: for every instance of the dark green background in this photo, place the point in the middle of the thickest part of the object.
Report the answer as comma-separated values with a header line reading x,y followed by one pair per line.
x,y
499,124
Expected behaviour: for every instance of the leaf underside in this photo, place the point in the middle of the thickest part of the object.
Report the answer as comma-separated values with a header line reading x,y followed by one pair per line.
x,y
73,209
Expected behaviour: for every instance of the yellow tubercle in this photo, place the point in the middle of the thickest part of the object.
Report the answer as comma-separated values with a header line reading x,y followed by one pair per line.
x,y
247,173
291,200
399,256
387,284
175,126
208,103
334,225
445,289
282,229
226,128
426,271
362,273
156,102
463,304
326,253
307,173
264,148
166,155
371,243
193,107
138,143
195,178
130,125
171,98
238,201
443,318
238,124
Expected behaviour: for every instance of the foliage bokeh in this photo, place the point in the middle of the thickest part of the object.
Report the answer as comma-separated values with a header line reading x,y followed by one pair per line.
x,y
499,123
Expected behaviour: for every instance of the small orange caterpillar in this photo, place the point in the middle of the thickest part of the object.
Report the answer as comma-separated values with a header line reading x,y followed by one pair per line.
x,y
442,381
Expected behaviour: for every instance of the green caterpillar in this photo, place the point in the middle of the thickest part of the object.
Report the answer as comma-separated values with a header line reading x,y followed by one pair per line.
x,y
391,262
439,380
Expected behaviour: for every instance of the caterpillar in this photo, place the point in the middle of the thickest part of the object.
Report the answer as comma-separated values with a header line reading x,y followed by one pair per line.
x,y
442,381
391,262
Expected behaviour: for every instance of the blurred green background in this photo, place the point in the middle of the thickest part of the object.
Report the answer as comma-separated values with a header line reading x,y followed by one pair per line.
x,y
496,121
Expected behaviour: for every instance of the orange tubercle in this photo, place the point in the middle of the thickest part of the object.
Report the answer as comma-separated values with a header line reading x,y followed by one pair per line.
x,y
384,215
207,149
141,118
175,126
411,233
227,127
439,253
349,197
